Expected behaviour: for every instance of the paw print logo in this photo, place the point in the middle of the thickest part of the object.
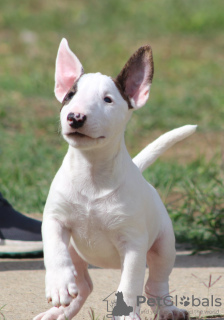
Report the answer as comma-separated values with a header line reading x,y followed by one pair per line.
x,y
185,301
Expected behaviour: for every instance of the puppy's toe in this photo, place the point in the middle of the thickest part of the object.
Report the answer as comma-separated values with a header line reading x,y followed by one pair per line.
x,y
183,314
39,316
73,290
55,298
180,314
172,313
65,298
52,314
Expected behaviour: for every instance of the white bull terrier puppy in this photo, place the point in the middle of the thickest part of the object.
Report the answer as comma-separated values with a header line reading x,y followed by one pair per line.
x,y
100,210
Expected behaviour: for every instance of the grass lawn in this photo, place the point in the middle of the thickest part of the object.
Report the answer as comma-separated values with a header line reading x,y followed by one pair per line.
x,y
187,38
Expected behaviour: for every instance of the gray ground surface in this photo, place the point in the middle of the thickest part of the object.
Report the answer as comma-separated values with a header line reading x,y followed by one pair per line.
x,y
199,277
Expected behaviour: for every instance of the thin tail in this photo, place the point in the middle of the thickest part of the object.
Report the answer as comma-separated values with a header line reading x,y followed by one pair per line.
x,y
150,153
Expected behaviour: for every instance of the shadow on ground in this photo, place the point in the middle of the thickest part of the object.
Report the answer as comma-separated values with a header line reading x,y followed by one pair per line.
x,y
184,259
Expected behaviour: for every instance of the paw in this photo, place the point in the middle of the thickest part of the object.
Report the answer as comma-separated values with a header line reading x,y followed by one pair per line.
x,y
130,317
61,286
171,313
53,314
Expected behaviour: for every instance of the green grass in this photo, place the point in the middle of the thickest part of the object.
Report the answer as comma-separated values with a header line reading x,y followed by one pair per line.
x,y
196,202
93,316
187,41
1,313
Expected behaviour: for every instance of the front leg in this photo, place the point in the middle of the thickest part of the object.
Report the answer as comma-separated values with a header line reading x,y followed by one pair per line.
x,y
132,279
60,271
84,285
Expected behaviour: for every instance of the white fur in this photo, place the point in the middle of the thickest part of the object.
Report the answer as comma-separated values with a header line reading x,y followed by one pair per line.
x,y
150,153
100,210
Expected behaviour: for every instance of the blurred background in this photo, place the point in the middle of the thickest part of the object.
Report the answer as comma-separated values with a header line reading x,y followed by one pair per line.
x,y
187,38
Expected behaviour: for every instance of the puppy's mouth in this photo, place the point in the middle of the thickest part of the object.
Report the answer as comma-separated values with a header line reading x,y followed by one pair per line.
x,y
77,134
81,135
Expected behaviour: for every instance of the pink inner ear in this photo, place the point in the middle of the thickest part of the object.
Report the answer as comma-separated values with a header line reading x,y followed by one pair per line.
x,y
137,85
141,97
68,70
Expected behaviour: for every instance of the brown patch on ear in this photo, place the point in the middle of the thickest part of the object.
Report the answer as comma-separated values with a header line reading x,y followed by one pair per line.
x,y
124,96
136,61
71,92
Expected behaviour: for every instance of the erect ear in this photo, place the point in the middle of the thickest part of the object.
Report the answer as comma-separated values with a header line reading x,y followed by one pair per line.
x,y
68,70
135,78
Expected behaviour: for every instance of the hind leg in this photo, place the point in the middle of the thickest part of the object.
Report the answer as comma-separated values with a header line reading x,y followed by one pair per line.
x,y
160,259
84,286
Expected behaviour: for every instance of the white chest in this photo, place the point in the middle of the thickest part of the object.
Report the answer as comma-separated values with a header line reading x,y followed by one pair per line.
x,y
94,226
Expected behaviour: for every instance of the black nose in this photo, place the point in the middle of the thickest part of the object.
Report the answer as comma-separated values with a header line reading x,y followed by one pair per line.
x,y
76,120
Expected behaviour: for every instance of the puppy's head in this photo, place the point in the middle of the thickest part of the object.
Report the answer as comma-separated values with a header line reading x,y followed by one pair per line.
x,y
95,107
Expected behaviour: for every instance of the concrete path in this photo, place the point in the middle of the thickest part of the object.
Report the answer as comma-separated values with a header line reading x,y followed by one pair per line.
x,y
199,278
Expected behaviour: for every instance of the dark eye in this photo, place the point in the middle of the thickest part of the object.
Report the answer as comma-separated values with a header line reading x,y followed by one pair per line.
x,y
107,100
69,95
